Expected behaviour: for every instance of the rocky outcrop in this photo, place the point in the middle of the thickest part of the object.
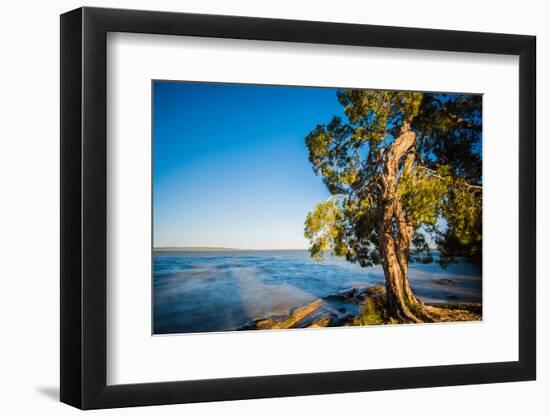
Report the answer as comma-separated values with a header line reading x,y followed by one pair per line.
x,y
338,309
318,313
354,307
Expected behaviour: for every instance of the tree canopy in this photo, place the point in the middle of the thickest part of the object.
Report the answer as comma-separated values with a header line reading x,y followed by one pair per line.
x,y
437,192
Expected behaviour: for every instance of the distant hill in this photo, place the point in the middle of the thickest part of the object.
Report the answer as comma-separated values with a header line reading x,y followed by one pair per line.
x,y
194,249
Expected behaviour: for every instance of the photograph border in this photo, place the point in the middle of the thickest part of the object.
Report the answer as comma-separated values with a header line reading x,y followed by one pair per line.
x,y
83,312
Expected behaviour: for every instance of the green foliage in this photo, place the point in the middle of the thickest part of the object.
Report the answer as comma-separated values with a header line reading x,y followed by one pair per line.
x,y
439,177
463,212
325,229
376,114
331,155
421,196
449,134
372,313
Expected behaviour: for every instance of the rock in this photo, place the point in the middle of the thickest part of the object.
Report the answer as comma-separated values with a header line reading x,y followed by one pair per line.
x,y
358,307
445,281
326,312
246,326
289,321
322,322
375,290
342,320
342,296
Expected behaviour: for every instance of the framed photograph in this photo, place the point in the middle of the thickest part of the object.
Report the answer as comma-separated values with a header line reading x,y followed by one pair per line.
x,y
257,208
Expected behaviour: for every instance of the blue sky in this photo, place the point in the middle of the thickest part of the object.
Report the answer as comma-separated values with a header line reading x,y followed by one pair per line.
x,y
231,167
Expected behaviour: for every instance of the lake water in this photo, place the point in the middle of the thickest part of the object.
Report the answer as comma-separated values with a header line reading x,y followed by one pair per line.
x,y
216,291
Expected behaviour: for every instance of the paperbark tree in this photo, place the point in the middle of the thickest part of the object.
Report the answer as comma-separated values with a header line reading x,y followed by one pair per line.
x,y
403,167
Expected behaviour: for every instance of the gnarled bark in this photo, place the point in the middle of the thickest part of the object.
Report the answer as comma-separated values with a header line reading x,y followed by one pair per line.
x,y
395,234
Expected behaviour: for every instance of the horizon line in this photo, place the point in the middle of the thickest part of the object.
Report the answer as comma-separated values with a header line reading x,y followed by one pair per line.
x,y
218,248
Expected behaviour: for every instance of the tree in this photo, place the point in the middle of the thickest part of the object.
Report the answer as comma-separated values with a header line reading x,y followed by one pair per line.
x,y
402,168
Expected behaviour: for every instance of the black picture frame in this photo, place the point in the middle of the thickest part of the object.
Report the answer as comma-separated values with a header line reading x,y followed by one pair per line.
x,y
84,207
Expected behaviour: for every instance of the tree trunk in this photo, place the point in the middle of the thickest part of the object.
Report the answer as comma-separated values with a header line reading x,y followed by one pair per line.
x,y
395,234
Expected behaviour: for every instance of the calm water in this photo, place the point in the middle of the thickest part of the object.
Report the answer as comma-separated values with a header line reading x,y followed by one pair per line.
x,y
215,291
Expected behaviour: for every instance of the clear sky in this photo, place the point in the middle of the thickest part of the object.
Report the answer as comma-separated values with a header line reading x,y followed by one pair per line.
x,y
231,167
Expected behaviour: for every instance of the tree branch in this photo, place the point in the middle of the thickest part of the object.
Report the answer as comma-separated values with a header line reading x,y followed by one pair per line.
x,y
336,196
435,174
453,116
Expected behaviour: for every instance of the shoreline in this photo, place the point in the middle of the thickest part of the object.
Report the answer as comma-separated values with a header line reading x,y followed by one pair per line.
x,y
355,307
217,291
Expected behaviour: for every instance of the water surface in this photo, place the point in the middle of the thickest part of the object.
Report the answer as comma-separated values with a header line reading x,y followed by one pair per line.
x,y
216,291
